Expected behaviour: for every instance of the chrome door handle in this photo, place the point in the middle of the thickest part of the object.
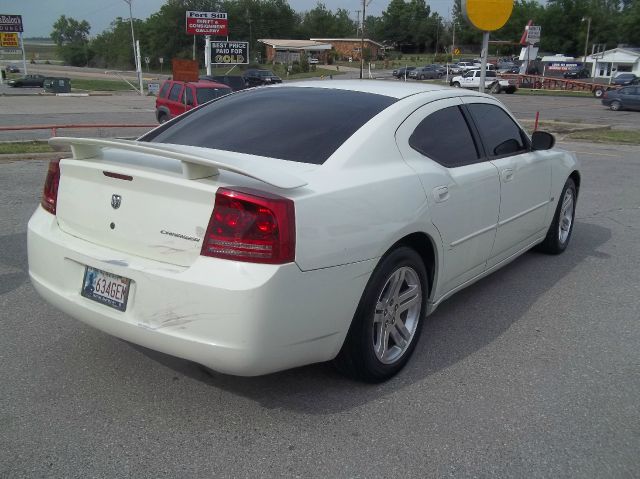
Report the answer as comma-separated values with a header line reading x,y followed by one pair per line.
x,y
507,174
440,194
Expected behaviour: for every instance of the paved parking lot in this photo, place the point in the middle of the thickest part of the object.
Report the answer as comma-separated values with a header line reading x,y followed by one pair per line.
x,y
532,372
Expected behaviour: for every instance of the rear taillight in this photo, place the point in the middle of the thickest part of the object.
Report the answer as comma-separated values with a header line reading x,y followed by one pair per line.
x,y
253,226
50,192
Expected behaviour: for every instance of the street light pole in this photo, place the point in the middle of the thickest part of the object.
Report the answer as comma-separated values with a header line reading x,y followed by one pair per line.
x,y
586,43
136,53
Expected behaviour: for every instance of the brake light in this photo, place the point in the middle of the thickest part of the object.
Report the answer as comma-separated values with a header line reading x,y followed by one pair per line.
x,y
50,192
253,226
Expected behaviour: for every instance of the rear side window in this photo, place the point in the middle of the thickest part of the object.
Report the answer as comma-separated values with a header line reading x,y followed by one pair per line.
x,y
188,96
164,90
300,124
490,74
444,136
206,94
174,94
500,134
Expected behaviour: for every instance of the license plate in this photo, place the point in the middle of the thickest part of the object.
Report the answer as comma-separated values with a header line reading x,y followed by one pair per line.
x,y
105,288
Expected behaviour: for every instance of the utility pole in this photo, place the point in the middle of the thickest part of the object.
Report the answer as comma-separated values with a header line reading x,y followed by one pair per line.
x,y
136,52
364,7
357,21
586,43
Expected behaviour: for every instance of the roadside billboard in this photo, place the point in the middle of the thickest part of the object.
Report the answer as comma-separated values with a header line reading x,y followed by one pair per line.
x,y
230,52
9,40
533,34
10,23
207,23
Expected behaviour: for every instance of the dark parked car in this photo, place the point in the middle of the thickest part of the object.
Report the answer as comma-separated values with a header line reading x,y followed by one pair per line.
x,y
260,77
400,72
12,69
624,79
235,82
577,74
627,98
36,81
424,73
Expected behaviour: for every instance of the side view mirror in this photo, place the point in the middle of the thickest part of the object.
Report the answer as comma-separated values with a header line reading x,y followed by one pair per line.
x,y
541,140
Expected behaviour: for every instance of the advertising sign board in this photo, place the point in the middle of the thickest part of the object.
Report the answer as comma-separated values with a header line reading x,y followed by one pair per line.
x,y
9,40
207,23
230,52
184,70
533,34
10,23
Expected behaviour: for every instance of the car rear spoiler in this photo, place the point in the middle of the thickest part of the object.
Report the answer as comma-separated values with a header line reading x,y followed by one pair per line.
x,y
193,166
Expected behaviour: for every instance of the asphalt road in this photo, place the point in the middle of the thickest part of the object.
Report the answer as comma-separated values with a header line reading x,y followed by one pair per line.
x,y
131,108
532,372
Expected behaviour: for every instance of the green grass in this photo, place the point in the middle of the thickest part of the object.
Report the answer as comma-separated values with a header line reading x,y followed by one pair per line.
x,y
627,137
14,148
100,85
41,52
310,74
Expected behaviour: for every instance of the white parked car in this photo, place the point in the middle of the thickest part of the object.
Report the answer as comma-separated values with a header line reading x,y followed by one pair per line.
x,y
278,238
492,82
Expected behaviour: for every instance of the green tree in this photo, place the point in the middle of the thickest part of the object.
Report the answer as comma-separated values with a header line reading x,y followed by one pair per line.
x,y
72,39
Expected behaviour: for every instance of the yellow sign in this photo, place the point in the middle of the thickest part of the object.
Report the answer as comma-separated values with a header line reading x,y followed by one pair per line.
x,y
487,15
9,40
456,51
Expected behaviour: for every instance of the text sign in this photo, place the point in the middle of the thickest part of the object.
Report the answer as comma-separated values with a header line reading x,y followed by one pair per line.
x,y
10,23
184,70
9,40
533,34
207,23
230,52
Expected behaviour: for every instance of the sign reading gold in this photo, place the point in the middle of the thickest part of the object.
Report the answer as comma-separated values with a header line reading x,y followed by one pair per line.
x,y
487,15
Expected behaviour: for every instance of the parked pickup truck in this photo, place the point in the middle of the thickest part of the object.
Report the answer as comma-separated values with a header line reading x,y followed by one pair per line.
x,y
471,79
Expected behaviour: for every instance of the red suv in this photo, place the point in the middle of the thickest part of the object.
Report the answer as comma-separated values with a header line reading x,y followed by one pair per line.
x,y
176,97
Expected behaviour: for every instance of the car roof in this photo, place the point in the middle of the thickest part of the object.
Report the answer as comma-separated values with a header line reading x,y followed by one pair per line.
x,y
377,87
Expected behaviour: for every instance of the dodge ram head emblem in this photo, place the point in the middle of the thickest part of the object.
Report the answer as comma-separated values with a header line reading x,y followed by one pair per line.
x,y
116,201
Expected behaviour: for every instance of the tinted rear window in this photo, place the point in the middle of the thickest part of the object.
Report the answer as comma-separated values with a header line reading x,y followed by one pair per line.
x,y
206,94
297,124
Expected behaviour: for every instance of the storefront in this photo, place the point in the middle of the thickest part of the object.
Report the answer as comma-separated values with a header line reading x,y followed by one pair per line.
x,y
611,62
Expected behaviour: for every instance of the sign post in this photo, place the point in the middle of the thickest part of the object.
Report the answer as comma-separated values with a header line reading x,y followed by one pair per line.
x,y
487,16
161,60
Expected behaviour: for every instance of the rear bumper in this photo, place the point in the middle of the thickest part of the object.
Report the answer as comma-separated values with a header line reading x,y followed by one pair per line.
x,y
237,318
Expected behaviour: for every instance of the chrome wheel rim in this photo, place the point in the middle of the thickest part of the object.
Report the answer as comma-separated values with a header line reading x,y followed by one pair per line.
x,y
397,314
566,217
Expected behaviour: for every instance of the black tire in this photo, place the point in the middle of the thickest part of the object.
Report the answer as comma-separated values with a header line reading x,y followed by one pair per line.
x,y
553,242
496,88
422,77
616,105
163,117
598,92
358,358
456,84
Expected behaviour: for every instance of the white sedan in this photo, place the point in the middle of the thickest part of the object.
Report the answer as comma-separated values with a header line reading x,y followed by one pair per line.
x,y
282,226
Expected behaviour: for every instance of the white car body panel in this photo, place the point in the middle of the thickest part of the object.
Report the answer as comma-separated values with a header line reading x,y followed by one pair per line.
x,y
248,319
473,81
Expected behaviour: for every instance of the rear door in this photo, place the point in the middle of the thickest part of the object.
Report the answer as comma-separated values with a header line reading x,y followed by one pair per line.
x,y
174,103
525,178
462,188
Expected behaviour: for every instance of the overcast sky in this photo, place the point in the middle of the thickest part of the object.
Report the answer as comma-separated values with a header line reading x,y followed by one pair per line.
x,y
39,15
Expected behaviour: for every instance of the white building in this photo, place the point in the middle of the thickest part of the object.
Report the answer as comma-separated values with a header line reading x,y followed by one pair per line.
x,y
611,62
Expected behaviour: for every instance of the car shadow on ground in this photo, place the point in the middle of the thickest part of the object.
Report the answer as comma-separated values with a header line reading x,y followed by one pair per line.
x,y
450,335
13,258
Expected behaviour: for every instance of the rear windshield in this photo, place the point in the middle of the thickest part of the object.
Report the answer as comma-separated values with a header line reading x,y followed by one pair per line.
x,y
206,94
290,123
